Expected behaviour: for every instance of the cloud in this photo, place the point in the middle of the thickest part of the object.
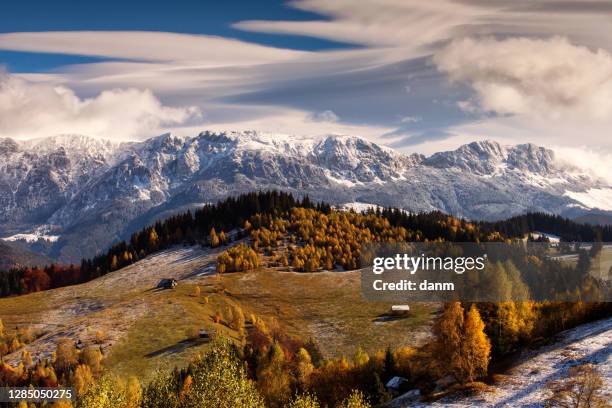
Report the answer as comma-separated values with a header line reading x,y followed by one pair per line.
x,y
292,121
207,50
410,119
542,78
325,116
374,23
597,162
30,110
388,75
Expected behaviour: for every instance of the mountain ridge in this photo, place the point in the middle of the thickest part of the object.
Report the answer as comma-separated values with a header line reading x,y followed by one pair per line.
x,y
69,184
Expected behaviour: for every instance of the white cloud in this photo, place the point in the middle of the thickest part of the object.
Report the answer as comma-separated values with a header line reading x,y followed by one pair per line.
x,y
30,110
584,157
412,23
293,122
325,116
410,119
241,84
541,78
207,50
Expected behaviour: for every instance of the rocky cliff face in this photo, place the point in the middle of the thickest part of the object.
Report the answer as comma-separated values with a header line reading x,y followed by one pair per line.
x,y
90,192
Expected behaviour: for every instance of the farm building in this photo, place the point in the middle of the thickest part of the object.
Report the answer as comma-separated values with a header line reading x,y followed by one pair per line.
x,y
167,284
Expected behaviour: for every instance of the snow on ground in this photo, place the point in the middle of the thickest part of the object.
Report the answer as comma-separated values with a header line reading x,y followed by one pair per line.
x,y
32,237
593,198
552,238
358,206
526,382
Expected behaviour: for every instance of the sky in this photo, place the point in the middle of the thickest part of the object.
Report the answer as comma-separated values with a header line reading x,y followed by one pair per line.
x,y
419,76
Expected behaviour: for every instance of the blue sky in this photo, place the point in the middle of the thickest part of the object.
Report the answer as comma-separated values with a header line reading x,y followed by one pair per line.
x,y
418,76
192,17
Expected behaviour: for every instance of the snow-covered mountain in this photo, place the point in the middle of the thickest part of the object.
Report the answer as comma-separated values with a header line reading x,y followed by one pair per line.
x,y
90,192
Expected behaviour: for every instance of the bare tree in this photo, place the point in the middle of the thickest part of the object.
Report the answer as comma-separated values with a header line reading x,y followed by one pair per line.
x,y
580,388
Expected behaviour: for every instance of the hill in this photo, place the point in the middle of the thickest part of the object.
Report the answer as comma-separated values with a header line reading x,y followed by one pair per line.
x,y
144,328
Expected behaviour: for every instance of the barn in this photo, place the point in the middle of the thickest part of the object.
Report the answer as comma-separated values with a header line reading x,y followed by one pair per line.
x,y
167,284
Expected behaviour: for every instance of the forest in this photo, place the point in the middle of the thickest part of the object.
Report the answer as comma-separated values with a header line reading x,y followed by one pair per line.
x,y
211,226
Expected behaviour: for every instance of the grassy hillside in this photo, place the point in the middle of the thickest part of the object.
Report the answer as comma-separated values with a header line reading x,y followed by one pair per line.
x,y
141,328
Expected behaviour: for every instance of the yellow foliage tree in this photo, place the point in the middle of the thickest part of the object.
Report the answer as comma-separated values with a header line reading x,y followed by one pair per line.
x,y
83,378
449,331
476,346
304,368
214,238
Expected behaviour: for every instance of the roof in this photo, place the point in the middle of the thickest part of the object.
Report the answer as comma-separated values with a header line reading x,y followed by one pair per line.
x,y
395,382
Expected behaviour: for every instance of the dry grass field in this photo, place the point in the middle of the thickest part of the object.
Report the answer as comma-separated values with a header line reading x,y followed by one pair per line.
x,y
141,328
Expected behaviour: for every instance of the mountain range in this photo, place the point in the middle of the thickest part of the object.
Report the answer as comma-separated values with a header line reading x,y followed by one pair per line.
x,y
71,196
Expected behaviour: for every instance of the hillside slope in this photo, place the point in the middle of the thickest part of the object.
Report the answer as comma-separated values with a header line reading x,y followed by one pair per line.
x,y
524,384
145,328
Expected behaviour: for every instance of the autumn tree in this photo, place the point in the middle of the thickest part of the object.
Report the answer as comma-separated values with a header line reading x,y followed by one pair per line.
x,y
92,357
448,331
114,263
26,359
107,392
133,393
220,381
273,378
214,238
356,400
83,378
476,346
153,240
304,401
462,347
304,368
65,354
236,318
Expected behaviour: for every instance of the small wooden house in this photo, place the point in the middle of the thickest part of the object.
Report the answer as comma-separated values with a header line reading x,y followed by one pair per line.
x,y
396,383
167,284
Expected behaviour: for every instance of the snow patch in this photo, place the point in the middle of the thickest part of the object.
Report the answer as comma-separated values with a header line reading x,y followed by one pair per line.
x,y
358,206
552,238
32,237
